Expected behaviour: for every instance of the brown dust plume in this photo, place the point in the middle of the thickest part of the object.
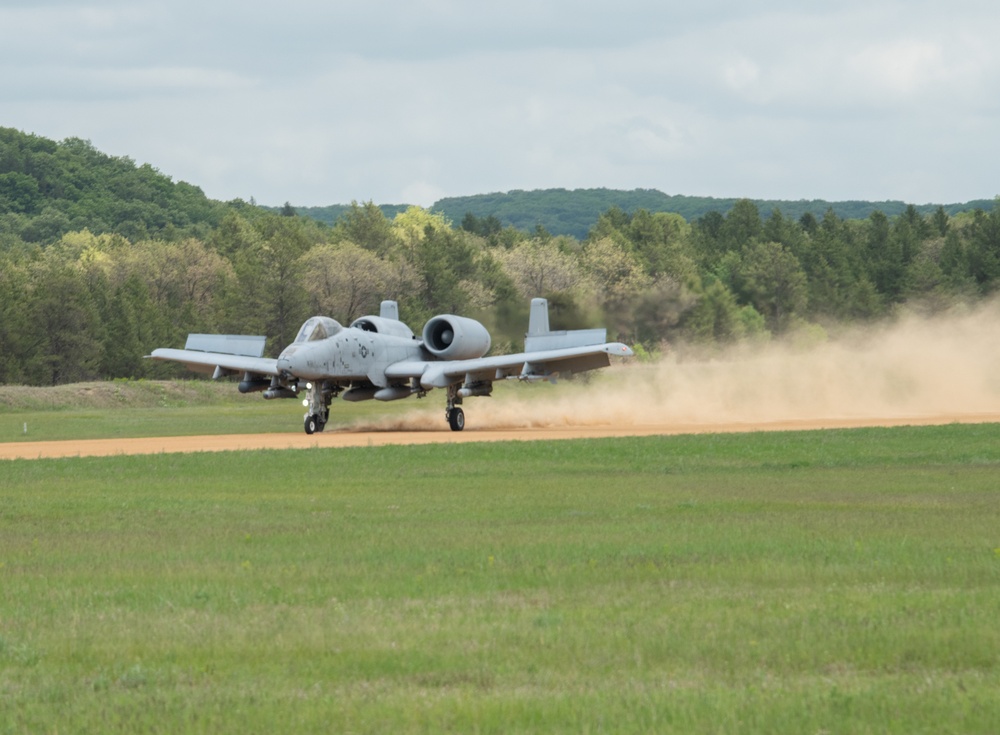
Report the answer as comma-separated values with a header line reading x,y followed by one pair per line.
x,y
942,369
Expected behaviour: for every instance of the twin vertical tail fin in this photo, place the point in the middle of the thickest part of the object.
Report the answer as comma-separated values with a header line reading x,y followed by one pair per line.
x,y
389,310
538,321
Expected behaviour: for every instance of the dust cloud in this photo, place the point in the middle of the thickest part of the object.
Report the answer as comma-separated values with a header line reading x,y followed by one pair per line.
x,y
916,368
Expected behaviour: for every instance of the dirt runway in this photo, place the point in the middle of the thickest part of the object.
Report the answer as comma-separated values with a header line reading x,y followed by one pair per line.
x,y
914,371
353,438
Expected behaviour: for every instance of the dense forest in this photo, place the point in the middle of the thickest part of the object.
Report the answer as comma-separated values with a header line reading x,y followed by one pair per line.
x,y
102,260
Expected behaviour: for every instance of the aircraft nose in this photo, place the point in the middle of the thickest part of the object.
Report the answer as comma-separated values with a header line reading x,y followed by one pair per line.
x,y
301,361
285,361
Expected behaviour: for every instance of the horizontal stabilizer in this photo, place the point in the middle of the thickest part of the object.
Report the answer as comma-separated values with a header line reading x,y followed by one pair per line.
x,y
227,344
539,337
559,340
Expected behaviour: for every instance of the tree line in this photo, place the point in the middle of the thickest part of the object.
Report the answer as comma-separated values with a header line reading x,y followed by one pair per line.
x,y
88,299
573,212
91,305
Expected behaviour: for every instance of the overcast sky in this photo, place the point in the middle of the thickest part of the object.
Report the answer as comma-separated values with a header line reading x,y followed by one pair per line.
x,y
406,101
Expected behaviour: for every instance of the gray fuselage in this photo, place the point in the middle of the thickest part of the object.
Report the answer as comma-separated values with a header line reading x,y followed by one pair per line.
x,y
350,355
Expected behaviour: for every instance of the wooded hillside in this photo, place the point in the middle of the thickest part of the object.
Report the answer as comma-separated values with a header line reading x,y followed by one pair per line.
x,y
574,212
102,261
48,189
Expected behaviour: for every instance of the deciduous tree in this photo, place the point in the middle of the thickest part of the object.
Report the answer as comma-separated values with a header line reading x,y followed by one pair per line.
x,y
344,280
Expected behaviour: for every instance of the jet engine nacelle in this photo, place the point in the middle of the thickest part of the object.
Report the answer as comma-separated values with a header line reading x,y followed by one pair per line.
x,y
453,337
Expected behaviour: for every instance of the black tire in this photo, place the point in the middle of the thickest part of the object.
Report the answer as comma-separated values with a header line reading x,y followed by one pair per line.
x,y
456,419
312,424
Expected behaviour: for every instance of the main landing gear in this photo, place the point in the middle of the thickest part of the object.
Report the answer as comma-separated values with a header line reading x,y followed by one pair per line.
x,y
454,414
456,419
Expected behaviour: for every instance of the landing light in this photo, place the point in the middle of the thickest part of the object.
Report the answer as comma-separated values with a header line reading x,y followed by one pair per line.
x,y
309,386
305,402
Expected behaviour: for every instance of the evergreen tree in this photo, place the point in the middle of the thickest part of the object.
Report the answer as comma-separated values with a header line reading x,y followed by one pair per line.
x,y
983,249
775,283
366,225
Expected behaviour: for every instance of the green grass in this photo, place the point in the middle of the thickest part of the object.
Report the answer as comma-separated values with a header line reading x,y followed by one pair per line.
x,y
841,582
126,408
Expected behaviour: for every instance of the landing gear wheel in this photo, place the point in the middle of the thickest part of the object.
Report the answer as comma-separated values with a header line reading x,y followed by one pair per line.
x,y
456,419
313,424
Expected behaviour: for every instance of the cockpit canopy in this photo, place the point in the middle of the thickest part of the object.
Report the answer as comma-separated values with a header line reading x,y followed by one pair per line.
x,y
317,328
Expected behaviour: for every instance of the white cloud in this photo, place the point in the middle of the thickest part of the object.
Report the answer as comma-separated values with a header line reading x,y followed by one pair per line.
x,y
741,74
900,67
150,81
323,102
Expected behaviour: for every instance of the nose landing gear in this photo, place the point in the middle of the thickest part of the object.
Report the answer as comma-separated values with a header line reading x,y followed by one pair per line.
x,y
313,424
317,406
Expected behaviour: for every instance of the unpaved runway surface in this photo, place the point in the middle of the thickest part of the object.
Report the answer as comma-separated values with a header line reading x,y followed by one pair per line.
x,y
349,438
913,371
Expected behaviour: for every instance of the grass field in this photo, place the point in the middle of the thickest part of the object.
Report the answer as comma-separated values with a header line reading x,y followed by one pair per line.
x,y
139,408
812,582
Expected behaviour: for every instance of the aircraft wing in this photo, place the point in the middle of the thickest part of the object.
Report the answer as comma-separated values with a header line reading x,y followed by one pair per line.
x,y
525,365
221,354
217,362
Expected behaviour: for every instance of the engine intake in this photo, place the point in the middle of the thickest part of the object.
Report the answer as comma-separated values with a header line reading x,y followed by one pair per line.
x,y
453,337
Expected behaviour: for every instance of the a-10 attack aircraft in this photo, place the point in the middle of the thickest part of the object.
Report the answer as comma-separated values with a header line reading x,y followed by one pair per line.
x,y
379,357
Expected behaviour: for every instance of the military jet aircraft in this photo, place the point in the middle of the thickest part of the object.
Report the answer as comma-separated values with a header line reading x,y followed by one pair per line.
x,y
379,357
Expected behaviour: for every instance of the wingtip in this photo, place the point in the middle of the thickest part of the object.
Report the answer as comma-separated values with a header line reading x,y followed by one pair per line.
x,y
619,350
